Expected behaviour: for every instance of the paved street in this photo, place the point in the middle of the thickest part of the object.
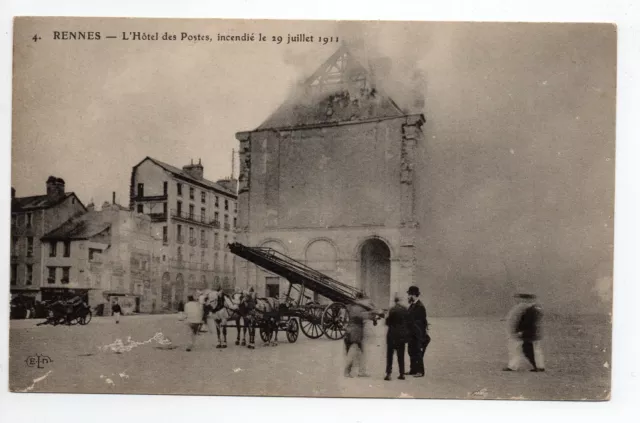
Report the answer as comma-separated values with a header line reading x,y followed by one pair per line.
x,y
464,361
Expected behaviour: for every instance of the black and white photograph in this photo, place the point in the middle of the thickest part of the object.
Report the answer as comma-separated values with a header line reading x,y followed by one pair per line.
x,y
312,208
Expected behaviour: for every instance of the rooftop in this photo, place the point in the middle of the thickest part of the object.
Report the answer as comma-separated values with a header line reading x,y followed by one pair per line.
x,y
37,202
184,175
341,90
84,226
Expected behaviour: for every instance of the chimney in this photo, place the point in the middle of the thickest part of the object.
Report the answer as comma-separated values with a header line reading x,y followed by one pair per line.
x,y
229,183
113,198
55,188
196,171
13,193
91,207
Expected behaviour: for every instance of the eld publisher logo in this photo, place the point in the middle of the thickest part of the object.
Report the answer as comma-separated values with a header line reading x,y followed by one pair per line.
x,y
38,360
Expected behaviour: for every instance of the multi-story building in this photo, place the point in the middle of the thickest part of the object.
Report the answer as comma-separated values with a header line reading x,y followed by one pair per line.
x,y
196,219
104,254
32,217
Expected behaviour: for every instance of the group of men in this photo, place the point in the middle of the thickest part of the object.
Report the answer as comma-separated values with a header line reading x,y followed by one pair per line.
x,y
406,327
409,328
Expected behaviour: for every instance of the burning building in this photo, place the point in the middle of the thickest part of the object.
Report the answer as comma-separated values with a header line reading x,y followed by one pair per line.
x,y
328,179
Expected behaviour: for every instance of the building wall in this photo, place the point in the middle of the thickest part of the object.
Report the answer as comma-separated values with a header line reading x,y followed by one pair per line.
x,y
184,265
42,222
320,194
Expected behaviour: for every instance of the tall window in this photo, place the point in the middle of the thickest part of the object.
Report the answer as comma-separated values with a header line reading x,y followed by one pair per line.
x,y
216,217
30,246
224,247
165,188
140,190
179,186
179,253
15,244
235,206
203,197
29,220
164,209
226,219
203,238
179,208
65,275
224,266
216,240
140,208
192,193
191,236
67,249
203,214
180,233
217,203
53,247
235,222
14,274
191,209
52,275
226,204
202,256
29,274
165,235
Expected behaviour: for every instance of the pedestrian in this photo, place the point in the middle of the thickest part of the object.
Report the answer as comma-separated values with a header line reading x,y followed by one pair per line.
x,y
193,314
354,339
397,334
419,337
525,334
116,310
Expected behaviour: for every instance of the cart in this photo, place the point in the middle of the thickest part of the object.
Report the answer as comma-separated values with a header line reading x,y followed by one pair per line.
x,y
315,319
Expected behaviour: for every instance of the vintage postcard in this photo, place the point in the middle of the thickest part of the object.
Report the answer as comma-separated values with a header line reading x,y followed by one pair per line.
x,y
312,208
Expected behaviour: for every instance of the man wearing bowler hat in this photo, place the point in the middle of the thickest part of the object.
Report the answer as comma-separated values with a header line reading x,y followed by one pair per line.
x,y
418,337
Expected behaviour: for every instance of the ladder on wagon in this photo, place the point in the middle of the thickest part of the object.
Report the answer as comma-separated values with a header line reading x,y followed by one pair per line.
x,y
316,320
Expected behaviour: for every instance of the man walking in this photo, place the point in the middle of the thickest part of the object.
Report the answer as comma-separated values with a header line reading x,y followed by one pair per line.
x,y
419,339
525,334
193,314
116,310
397,322
354,339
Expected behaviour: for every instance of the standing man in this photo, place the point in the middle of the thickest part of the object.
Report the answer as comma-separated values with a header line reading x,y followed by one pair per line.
x,y
397,322
419,339
116,310
193,313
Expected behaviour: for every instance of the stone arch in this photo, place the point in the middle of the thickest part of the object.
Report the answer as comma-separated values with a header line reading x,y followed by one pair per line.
x,y
274,243
321,254
358,249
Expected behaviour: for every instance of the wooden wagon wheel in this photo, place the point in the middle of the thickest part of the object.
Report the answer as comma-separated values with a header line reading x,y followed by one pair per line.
x,y
293,329
311,322
264,335
334,321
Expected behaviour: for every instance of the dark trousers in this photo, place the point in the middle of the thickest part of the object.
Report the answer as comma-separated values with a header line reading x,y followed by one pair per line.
x,y
399,350
527,350
417,349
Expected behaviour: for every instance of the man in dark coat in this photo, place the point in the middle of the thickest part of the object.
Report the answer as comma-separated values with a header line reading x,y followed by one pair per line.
x,y
419,339
397,336
528,328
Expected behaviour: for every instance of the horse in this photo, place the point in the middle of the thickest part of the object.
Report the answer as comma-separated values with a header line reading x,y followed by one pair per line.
x,y
264,312
220,308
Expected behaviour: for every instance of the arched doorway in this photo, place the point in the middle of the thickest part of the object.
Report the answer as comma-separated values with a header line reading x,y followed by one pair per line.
x,y
179,298
375,271
165,295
